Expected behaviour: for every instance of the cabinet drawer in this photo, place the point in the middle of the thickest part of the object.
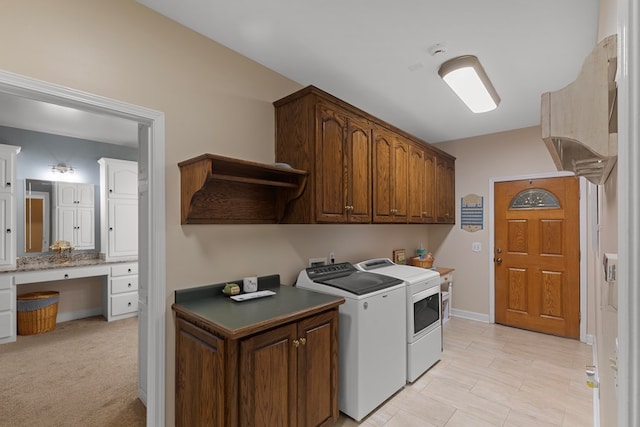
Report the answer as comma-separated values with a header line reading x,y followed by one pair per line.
x,y
6,299
6,281
7,328
123,304
446,278
124,284
124,269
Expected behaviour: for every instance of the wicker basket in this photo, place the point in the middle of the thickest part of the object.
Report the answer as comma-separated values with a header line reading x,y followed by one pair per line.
x,y
37,312
424,263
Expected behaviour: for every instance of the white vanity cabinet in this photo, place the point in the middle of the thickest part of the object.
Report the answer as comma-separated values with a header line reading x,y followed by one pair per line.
x,y
8,220
121,294
7,309
118,209
74,214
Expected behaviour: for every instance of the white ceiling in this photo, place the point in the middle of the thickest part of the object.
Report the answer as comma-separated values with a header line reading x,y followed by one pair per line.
x,y
376,54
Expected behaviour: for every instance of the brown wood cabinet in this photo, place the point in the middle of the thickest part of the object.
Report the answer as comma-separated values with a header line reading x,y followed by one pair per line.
x,y
286,375
445,191
390,177
336,149
361,168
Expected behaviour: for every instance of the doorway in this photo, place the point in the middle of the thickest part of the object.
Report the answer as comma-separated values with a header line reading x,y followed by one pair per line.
x,y
537,255
151,345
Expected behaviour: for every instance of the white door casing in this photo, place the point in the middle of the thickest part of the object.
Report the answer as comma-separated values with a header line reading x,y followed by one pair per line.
x,y
152,244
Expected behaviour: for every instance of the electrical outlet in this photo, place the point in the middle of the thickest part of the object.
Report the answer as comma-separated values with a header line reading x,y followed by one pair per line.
x,y
317,262
476,246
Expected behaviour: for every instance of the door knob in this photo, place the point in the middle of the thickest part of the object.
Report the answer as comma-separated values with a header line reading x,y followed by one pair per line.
x,y
498,260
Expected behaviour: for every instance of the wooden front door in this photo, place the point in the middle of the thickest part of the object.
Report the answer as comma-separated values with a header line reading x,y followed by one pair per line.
x,y
537,256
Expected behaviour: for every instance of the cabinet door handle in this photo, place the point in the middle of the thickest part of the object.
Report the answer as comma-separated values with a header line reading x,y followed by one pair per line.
x,y
110,228
129,304
8,184
129,270
8,230
129,285
66,276
110,191
296,343
303,341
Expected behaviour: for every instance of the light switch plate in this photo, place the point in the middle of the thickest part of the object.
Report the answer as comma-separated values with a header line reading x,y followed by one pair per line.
x,y
476,246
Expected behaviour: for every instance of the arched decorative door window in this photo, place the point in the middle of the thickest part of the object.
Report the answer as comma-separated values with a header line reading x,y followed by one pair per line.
x,y
534,198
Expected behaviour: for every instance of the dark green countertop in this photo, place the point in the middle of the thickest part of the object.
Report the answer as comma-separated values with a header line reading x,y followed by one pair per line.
x,y
237,319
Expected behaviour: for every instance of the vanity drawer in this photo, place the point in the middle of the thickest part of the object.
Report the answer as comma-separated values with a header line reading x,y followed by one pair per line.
x,y
7,299
124,269
123,304
124,284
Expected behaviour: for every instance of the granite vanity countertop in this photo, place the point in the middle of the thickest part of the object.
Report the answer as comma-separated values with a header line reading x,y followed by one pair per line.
x,y
237,319
49,262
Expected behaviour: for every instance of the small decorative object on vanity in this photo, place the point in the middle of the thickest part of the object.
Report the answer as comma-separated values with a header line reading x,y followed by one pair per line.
x,y
231,289
63,251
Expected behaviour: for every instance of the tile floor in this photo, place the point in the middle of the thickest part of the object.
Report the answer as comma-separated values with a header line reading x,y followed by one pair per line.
x,y
492,375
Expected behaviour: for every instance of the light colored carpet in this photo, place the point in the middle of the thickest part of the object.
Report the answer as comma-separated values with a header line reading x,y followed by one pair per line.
x,y
83,373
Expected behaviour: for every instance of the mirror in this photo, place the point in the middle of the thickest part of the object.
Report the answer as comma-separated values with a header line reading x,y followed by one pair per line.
x,y
37,215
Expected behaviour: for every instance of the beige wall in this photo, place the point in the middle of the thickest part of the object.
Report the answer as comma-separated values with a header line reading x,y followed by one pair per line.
x,y
215,101
478,159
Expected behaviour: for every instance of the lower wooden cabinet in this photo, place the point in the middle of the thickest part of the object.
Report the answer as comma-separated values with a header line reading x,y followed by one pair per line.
x,y
284,376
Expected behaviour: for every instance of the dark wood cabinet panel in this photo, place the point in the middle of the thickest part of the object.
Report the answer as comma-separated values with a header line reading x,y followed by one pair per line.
x,y
445,191
268,378
201,355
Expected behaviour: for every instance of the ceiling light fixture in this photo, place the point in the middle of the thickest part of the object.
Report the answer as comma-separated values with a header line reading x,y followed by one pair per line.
x,y
62,168
468,80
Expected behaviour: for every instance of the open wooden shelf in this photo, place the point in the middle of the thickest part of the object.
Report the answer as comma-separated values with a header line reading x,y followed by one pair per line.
x,y
221,190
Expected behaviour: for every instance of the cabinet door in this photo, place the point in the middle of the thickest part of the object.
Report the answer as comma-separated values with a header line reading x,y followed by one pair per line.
x,y
122,179
269,378
430,187
7,232
85,195
390,177
400,180
358,167
200,377
331,187
65,224
123,228
445,191
318,370
417,182
7,173
66,194
85,228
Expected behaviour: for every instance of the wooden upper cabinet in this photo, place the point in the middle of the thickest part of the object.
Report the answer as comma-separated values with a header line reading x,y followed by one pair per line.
x,y
445,191
390,177
361,169
335,147
343,167
358,171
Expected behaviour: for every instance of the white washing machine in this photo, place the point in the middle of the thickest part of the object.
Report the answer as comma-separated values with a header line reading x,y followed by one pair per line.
x,y
423,308
372,324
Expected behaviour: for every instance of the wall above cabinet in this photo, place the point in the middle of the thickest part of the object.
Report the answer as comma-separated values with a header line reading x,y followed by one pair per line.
x,y
221,190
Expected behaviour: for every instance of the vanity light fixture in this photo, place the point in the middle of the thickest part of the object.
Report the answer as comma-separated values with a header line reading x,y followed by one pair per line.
x,y
468,80
62,168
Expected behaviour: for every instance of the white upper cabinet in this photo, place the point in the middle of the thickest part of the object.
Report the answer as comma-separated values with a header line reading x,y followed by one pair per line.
x,y
74,214
8,155
118,209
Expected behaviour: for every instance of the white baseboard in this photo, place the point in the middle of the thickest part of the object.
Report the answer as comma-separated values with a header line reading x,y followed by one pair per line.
x,y
470,315
80,314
